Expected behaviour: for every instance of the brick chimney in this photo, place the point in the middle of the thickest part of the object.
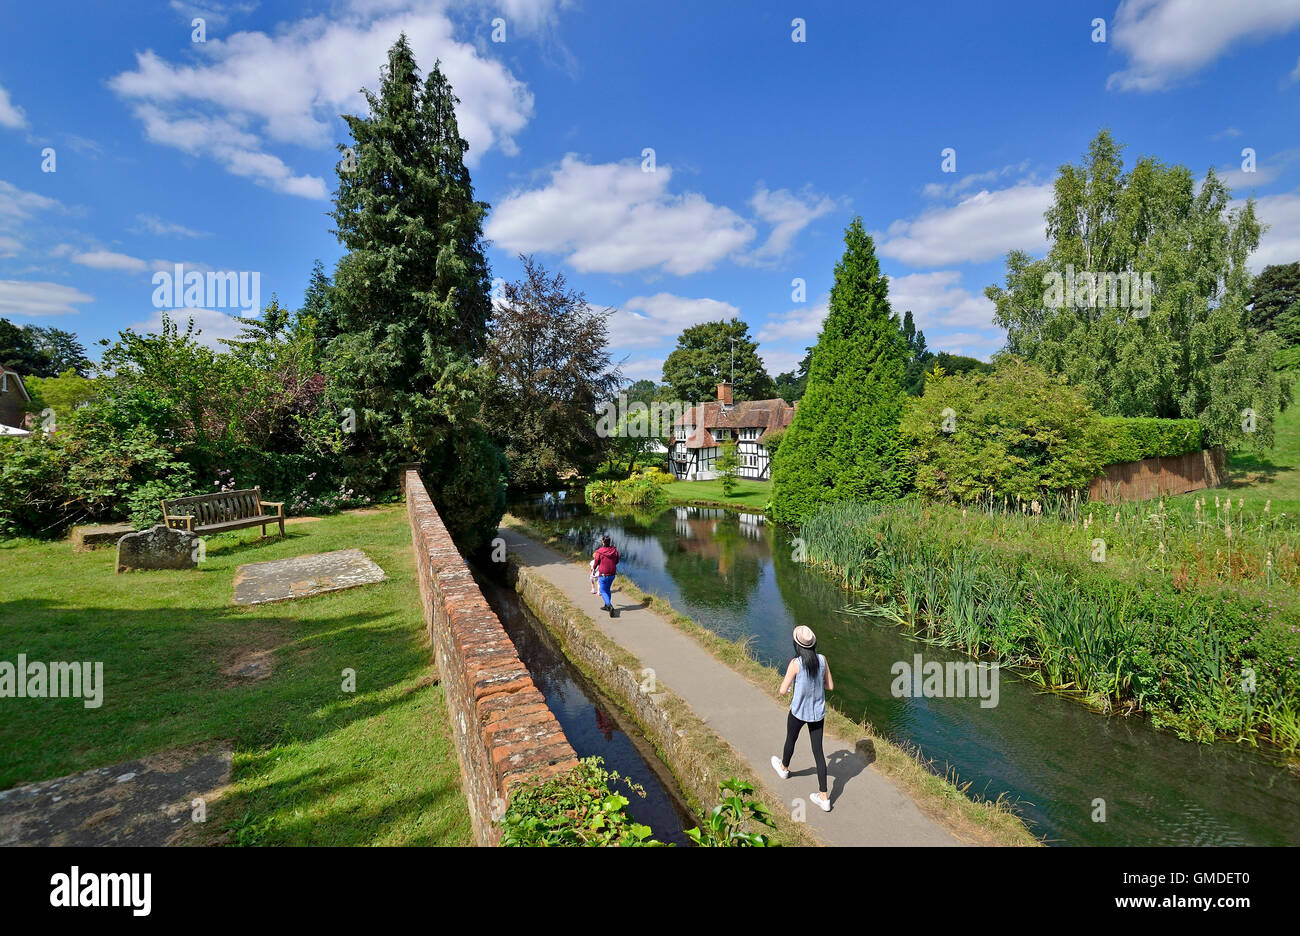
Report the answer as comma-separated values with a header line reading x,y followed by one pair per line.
x,y
724,393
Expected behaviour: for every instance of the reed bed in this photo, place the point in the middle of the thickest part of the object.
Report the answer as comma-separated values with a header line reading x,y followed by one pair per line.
x,y
1126,633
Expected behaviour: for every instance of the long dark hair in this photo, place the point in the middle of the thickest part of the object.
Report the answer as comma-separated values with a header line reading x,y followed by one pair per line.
x,y
808,656
604,540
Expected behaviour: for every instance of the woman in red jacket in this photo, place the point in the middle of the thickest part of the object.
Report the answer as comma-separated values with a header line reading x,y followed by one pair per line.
x,y
606,559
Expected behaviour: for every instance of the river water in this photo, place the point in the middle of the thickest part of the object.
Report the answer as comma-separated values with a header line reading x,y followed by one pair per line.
x,y
1062,764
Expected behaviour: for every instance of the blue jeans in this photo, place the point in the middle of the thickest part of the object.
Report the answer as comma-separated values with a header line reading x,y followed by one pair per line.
x,y
605,582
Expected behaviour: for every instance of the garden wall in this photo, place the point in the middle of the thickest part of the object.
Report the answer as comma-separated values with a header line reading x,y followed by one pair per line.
x,y
1158,477
504,732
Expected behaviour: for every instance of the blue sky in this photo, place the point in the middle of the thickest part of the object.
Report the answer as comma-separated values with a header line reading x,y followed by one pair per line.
x,y
219,155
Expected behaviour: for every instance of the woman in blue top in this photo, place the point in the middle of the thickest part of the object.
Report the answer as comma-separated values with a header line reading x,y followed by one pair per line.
x,y
811,678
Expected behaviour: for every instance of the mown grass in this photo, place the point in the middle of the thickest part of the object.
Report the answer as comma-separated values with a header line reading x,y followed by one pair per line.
x,y
748,493
312,764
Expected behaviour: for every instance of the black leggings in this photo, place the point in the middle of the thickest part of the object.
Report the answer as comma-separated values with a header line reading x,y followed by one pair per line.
x,y
792,726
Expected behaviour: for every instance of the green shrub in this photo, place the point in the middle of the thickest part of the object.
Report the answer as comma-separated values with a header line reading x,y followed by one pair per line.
x,y
657,475
727,824
1133,439
578,808
1013,433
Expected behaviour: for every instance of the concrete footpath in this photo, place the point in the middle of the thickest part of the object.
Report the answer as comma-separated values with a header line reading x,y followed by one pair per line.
x,y
867,809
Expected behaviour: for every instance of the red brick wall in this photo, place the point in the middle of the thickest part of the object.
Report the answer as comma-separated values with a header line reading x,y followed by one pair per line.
x,y
505,734
1157,477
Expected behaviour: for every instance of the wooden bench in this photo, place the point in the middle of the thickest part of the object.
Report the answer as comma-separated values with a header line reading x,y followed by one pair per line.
x,y
216,513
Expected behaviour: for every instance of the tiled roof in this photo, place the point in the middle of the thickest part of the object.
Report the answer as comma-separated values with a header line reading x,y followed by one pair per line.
x,y
767,415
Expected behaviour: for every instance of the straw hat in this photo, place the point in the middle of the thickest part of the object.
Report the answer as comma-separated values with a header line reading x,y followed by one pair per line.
x,y
804,636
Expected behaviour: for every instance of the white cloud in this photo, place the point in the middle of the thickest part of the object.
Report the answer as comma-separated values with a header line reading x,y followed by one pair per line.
x,y
788,214
970,180
255,89
109,260
615,218
938,301
1295,72
1166,40
982,227
1281,242
17,205
156,225
970,344
648,320
780,361
801,323
10,247
18,297
11,115
213,13
643,369
212,324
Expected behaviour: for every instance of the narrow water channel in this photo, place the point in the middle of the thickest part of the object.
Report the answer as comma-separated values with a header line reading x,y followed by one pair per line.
x,y
592,723
736,575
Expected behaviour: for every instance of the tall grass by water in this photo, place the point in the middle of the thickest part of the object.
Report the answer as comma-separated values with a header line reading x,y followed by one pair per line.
x,y
1142,630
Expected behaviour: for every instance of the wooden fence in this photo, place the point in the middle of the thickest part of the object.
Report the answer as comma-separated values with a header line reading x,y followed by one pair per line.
x,y
1157,477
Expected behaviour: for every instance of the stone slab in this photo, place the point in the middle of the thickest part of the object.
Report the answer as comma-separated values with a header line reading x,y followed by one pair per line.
x,y
98,535
140,802
158,547
303,576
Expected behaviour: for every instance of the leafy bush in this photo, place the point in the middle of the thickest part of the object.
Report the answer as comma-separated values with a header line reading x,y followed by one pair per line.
x,y
95,466
640,490
727,825
657,475
1013,433
574,809
1133,439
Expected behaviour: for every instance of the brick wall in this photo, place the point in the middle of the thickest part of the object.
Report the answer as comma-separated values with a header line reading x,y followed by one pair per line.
x,y
504,732
1158,477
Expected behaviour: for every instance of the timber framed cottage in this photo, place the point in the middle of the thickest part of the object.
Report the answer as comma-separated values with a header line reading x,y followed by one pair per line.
x,y
700,432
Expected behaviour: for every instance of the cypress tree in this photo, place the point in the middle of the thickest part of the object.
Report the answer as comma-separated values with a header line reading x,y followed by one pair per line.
x,y
843,443
411,299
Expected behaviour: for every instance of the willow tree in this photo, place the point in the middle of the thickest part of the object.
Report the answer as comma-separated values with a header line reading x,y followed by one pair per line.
x,y
412,300
1141,301
843,443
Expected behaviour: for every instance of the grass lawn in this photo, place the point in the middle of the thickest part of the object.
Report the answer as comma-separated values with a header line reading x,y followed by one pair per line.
x,y
313,765
1276,473
747,493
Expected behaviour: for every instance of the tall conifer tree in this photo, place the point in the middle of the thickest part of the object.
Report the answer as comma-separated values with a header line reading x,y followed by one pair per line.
x,y
843,443
411,299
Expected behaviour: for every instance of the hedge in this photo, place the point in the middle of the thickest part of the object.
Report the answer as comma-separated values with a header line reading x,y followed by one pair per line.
x,y
1133,439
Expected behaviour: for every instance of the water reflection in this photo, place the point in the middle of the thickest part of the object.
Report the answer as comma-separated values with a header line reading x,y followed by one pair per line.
x,y
738,576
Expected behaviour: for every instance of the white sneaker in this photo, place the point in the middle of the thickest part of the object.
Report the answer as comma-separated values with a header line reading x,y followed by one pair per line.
x,y
822,800
781,771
